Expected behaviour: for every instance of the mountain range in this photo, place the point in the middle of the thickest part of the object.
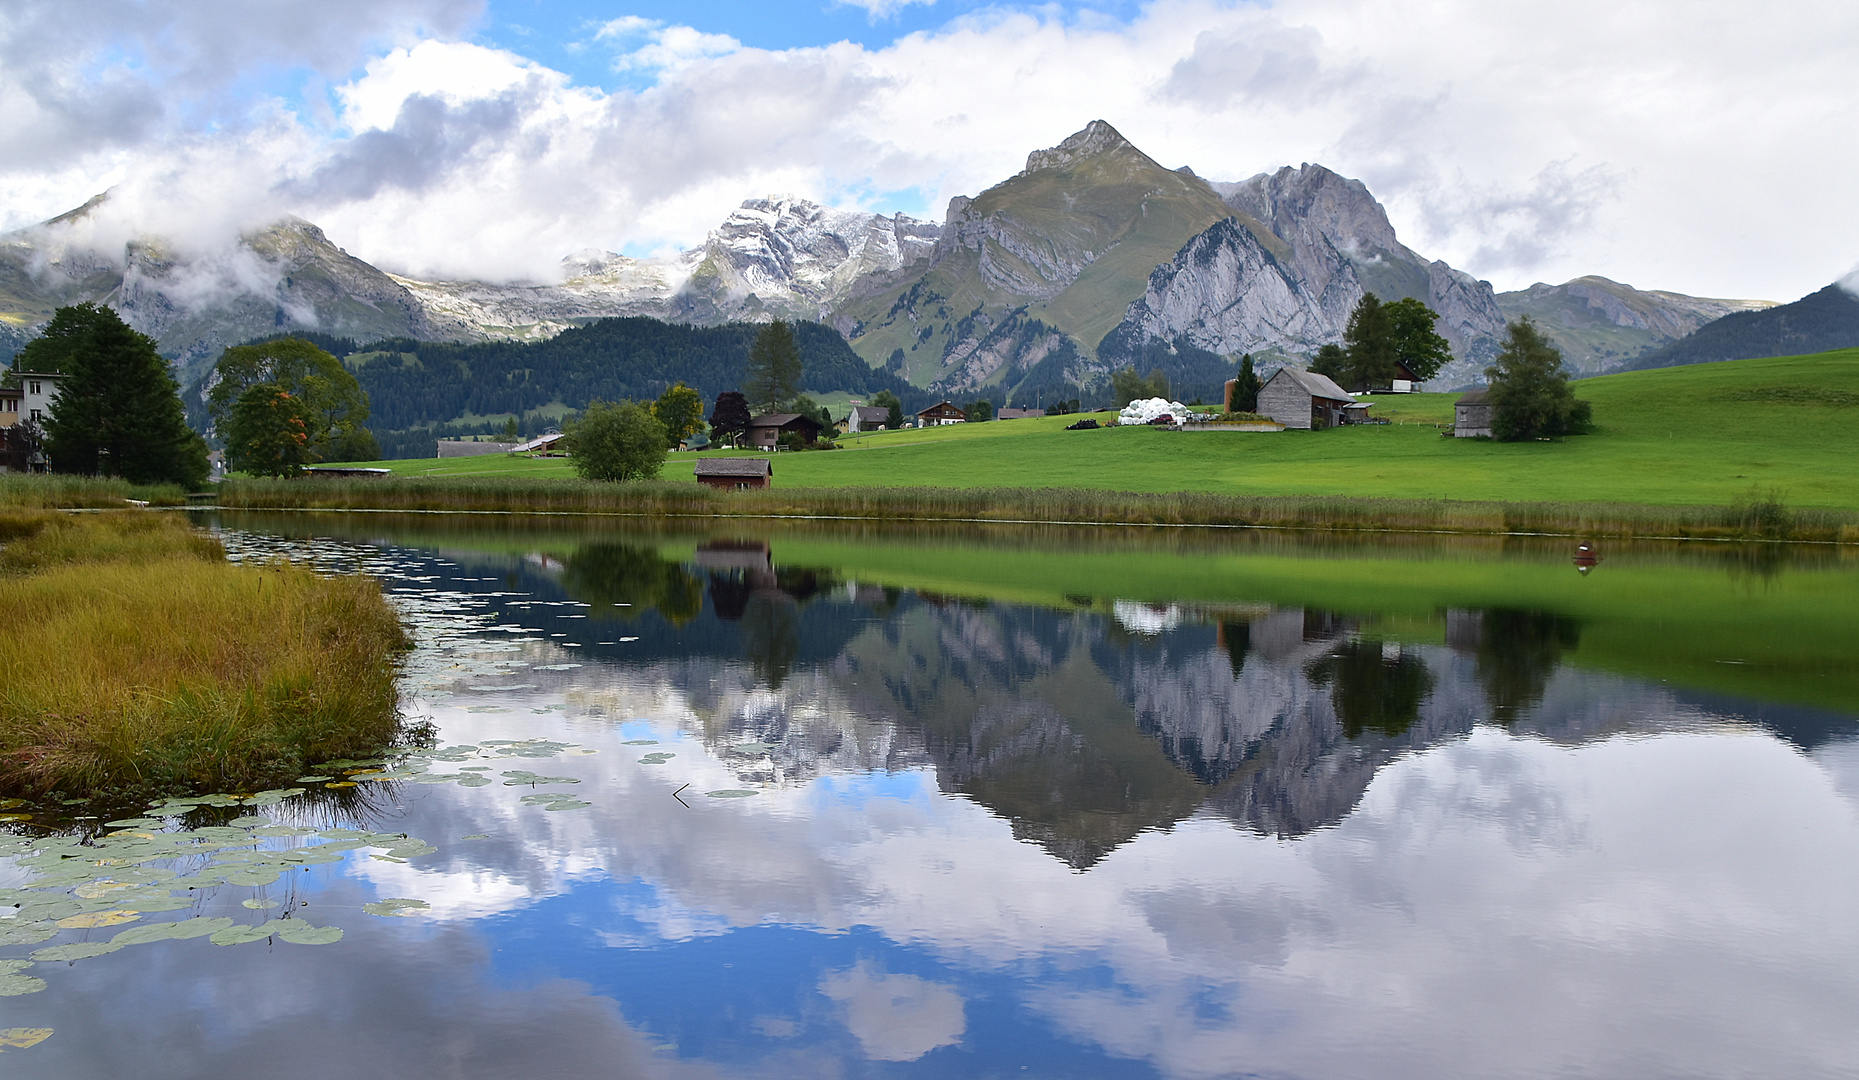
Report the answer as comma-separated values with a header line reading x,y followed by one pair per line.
x,y
1092,257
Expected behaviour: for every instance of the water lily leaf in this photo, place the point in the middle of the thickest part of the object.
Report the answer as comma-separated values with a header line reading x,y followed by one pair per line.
x,y
640,742
258,875
341,784
399,906
142,935
135,823
193,928
14,986
274,796
476,836
27,935
77,950
148,905
387,858
91,890
298,932
731,793
257,904
240,935
656,759
284,830
314,779
473,780
24,1038
248,819
567,804
89,919
15,817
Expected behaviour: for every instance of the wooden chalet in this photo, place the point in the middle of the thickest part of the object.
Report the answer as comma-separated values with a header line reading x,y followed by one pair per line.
x,y
866,418
941,413
765,431
735,473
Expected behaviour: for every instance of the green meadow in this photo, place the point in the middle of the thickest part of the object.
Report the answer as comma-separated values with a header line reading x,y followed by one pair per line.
x,y
1706,435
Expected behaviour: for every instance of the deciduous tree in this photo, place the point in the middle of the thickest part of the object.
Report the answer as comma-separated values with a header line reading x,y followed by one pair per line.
x,y
1416,344
681,410
118,410
617,441
1530,393
729,417
1368,345
320,397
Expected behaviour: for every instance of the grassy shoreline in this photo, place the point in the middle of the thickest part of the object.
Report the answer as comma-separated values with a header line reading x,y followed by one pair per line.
x,y
1757,519
136,660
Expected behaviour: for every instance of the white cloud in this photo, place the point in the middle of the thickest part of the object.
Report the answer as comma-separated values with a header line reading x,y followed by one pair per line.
x,y
1672,147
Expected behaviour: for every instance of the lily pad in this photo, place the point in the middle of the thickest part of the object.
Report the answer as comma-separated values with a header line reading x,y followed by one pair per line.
x,y
656,759
27,935
258,905
240,935
89,919
314,779
193,928
341,784
298,932
16,985
135,823
731,793
476,836
77,950
640,742
397,907
249,820
258,875
473,780
15,817
23,1038
142,935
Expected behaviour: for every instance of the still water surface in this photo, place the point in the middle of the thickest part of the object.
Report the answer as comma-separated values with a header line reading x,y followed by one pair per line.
x,y
834,820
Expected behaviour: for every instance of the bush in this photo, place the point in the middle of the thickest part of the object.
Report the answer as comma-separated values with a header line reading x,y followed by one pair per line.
x,y
617,441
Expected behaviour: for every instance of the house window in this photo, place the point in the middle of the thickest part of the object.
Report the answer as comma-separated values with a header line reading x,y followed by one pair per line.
x,y
35,389
35,415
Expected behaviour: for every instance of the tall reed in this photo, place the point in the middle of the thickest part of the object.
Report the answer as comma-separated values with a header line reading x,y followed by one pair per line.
x,y
668,499
135,659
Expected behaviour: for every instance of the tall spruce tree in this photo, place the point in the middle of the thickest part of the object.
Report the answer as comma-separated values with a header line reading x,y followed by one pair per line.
x,y
1368,345
774,368
1530,393
118,410
1245,387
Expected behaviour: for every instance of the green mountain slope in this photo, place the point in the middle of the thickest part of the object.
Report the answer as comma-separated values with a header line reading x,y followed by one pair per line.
x,y
1067,244
1602,325
1828,319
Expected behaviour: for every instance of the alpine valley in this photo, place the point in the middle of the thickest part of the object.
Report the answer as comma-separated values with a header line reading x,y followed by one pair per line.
x,y
1093,257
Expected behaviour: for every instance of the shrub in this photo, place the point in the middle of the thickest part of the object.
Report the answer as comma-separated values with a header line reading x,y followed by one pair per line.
x,y
617,441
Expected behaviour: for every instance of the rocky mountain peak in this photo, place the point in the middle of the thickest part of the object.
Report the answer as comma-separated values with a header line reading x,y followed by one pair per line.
x,y
1095,138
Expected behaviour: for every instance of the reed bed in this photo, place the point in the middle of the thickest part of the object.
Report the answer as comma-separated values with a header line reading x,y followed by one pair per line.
x,y
55,491
135,659
1756,518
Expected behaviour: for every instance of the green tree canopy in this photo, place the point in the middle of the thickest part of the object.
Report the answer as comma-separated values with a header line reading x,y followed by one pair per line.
x,y
729,417
1530,393
1331,362
1368,344
774,368
893,408
118,410
1416,344
321,402
617,441
979,411
1127,386
681,410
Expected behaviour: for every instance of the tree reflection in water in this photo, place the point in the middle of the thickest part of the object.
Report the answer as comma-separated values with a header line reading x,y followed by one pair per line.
x,y
623,581
1376,687
1517,653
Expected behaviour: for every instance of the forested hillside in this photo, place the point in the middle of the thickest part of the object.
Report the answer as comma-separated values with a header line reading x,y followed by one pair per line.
x,y
1818,322
421,390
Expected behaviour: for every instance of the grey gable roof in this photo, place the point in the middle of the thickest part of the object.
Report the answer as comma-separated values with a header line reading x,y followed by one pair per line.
x,y
735,466
1319,386
1481,396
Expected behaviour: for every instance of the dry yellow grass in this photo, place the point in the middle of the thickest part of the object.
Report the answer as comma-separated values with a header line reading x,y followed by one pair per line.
x,y
134,658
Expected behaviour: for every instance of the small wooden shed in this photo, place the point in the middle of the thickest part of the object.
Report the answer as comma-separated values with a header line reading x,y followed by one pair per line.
x,y
1471,415
1304,399
735,473
765,431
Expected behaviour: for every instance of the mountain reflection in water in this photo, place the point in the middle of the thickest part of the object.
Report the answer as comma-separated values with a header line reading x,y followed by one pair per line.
x,y
1082,728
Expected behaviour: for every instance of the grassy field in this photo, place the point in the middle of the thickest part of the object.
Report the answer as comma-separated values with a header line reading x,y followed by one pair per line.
x,y
1709,434
135,659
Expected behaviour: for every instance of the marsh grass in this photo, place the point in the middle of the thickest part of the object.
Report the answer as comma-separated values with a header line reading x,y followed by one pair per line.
x,y
518,494
58,492
135,659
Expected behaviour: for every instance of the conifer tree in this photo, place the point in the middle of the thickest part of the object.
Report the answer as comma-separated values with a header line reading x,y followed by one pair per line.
x,y
774,368
118,410
1530,394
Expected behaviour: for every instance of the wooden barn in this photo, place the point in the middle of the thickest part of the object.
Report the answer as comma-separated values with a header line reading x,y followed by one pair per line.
x,y
735,473
1471,415
765,431
867,418
1303,399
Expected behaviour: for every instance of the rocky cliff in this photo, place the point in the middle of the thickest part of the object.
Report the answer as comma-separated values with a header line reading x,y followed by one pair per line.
x,y
1603,326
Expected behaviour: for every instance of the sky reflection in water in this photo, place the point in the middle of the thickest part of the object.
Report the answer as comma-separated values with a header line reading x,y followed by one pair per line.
x,y
992,839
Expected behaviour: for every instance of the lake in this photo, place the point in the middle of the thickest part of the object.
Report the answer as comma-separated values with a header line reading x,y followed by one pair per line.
x,y
813,800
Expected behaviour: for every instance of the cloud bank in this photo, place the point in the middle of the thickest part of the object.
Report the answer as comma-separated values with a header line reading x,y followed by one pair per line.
x,y
1665,145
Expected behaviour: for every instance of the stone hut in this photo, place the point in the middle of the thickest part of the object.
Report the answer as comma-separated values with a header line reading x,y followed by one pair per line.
x,y
1471,415
735,473
765,431
1303,399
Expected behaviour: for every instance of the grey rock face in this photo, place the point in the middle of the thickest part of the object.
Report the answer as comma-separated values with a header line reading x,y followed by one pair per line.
x,y
1224,293
1094,138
